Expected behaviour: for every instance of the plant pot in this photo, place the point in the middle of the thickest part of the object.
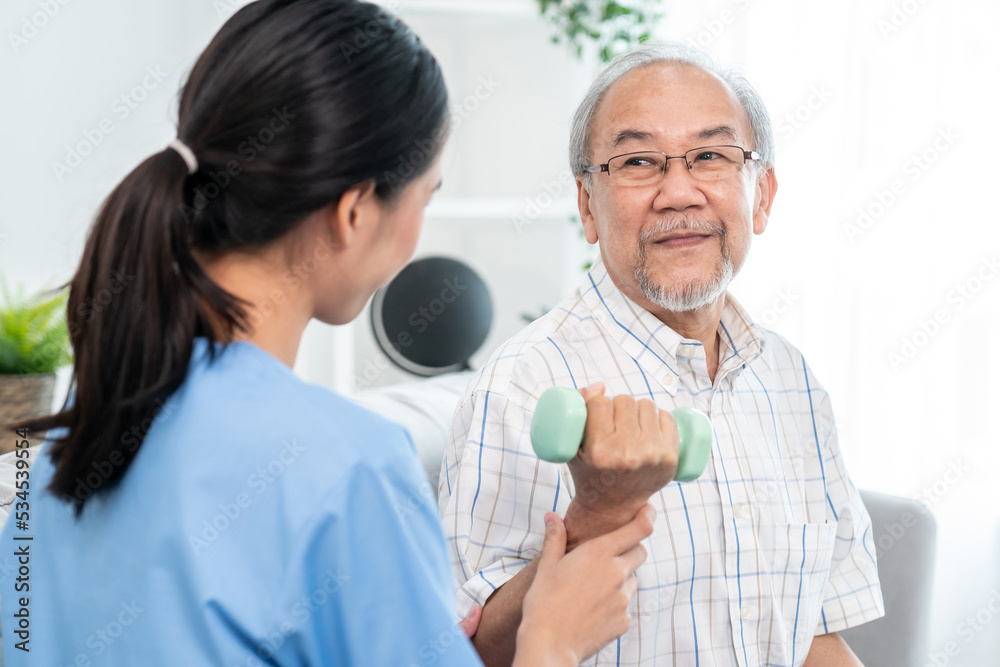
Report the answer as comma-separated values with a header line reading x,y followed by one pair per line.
x,y
23,397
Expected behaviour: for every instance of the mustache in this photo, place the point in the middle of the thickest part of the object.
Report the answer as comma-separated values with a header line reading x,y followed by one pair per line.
x,y
687,224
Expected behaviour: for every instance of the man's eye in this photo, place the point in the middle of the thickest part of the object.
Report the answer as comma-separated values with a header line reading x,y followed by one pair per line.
x,y
708,156
640,162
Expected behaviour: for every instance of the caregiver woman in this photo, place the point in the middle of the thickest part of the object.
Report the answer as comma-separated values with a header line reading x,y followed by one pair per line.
x,y
259,519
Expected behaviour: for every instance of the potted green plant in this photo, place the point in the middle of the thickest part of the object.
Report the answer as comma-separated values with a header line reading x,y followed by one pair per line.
x,y
613,26
34,343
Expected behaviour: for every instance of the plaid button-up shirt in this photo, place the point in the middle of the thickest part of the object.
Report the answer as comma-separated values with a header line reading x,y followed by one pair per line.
x,y
771,546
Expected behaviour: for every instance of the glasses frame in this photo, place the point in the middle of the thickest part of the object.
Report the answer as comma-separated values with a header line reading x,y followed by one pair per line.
x,y
598,168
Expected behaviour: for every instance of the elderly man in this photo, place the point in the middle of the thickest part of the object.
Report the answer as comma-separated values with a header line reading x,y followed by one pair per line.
x,y
766,556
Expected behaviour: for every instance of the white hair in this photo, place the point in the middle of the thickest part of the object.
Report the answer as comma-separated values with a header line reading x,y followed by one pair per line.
x,y
668,52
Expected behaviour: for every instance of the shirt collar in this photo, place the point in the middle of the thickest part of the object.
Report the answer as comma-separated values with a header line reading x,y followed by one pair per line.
x,y
653,344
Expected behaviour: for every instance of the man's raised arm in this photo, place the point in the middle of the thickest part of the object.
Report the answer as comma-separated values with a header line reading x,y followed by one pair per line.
x,y
629,453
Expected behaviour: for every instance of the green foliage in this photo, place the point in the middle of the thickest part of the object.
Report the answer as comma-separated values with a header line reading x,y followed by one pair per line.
x,y
615,27
33,333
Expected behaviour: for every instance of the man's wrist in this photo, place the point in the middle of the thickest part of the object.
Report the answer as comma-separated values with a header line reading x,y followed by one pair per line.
x,y
585,523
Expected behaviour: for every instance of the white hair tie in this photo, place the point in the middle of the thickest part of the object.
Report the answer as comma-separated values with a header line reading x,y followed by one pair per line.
x,y
184,152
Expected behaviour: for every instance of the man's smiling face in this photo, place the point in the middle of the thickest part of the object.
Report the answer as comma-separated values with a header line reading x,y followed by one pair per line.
x,y
676,243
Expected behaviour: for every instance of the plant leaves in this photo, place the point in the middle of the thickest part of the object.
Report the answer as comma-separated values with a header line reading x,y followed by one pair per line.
x,y
33,333
611,25
613,10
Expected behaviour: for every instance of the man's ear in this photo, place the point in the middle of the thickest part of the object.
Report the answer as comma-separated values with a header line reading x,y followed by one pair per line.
x,y
357,208
767,186
584,203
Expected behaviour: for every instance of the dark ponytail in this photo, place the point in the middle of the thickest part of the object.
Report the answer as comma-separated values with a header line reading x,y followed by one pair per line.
x,y
291,104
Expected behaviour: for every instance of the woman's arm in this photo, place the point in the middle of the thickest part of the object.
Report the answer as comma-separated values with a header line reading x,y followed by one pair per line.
x,y
564,623
831,651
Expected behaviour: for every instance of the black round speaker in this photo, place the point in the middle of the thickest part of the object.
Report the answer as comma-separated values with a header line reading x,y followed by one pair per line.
x,y
433,316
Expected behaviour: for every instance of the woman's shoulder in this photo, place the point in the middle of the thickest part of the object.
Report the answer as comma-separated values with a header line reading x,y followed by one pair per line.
x,y
249,398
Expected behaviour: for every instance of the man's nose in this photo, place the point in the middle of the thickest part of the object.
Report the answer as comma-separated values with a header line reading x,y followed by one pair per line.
x,y
678,188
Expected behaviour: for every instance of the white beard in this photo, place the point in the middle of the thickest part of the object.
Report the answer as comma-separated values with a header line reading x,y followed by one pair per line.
x,y
693,295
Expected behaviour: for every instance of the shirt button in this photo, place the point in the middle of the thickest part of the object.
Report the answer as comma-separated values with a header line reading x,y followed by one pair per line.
x,y
668,379
745,613
685,351
741,511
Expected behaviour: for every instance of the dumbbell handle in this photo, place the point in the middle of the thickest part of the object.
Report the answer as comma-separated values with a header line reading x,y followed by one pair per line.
x,y
561,414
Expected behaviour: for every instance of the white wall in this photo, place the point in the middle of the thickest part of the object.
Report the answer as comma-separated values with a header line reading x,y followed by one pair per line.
x,y
508,196
860,90
82,71
96,79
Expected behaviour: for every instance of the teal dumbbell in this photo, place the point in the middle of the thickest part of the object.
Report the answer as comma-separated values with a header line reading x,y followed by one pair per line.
x,y
561,413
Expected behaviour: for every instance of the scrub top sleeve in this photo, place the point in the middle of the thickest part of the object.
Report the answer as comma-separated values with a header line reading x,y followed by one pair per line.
x,y
375,575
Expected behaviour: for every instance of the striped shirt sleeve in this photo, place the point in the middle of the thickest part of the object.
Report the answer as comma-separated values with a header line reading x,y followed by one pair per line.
x,y
852,594
494,493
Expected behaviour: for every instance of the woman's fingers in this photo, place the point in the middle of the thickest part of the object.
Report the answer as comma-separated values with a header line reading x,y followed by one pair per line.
x,y
579,601
625,538
633,558
631,586
471,622
554,545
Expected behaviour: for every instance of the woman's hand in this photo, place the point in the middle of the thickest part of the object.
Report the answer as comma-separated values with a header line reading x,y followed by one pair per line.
x,y
471,622
579,601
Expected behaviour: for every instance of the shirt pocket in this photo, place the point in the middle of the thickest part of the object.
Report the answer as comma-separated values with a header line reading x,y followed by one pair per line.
x,y
800,568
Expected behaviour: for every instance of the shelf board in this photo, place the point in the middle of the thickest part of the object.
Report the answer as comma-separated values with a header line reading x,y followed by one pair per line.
x,y
463,8
506,208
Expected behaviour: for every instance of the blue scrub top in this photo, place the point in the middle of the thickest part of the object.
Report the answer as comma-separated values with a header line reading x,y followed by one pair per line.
x,y
264,521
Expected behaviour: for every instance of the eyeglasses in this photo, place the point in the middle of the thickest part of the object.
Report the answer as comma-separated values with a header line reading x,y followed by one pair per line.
x,y
708,163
